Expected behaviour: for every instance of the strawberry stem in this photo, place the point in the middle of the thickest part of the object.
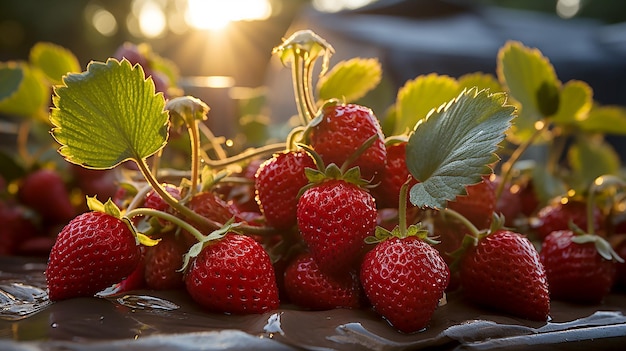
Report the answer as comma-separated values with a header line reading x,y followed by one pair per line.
x,y
469,225
404,189
303,48
507,167
596,186
196,218
166,216
194,137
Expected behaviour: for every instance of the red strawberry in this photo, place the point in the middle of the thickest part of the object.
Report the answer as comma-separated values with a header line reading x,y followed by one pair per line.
x,y
210,205
387,193
577,271
479,203
16,228
163,263
308,287
92,252
155,201
277,182
342,130
404,279
503,271
44,191
334,218
557,216
509,203
233,275
242,195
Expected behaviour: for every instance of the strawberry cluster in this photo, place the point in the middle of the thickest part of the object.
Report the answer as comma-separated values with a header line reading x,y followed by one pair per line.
x,y
325,221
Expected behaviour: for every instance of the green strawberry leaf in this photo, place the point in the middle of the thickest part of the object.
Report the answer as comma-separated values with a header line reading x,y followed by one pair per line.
x,y
455,146
350,80
419,96
529,77
588,151
54,61
480,81
23,90
576,102
605,120
107,115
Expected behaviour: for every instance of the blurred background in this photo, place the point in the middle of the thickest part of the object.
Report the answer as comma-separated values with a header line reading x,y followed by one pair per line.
x,y
220,45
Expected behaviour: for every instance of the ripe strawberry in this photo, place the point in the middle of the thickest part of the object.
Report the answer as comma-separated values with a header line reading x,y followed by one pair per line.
x,y
342,130
334,218
503,271
153,199
92,252
404,279
210,205
163,263
387,193
16,228
233,275
308,287
479,203
509,203
576,271
45,192
557,216
277,183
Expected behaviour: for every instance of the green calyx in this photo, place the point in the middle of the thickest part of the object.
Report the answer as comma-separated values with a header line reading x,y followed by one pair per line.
x,y
474,237
401,231
381,234
332,171
602,246
217,234
110,208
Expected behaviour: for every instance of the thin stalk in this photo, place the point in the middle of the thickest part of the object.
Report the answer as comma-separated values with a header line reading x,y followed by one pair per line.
x,y
297,76
402,209
515,156
307,85
217,147
22,141
469,225
201,221
263,150
166,216
194,137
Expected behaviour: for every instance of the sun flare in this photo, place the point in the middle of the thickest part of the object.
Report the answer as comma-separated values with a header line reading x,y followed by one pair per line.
x,y
217,14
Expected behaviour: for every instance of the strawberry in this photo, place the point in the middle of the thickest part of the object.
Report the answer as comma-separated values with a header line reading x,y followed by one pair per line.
x,y
503,271
92,252
387,193
233,274
45,192
155,201
575,268
17,228
509,203
308,287
479,203
210,205
163,263
277,182
558,214
341,130
334,218
404,278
